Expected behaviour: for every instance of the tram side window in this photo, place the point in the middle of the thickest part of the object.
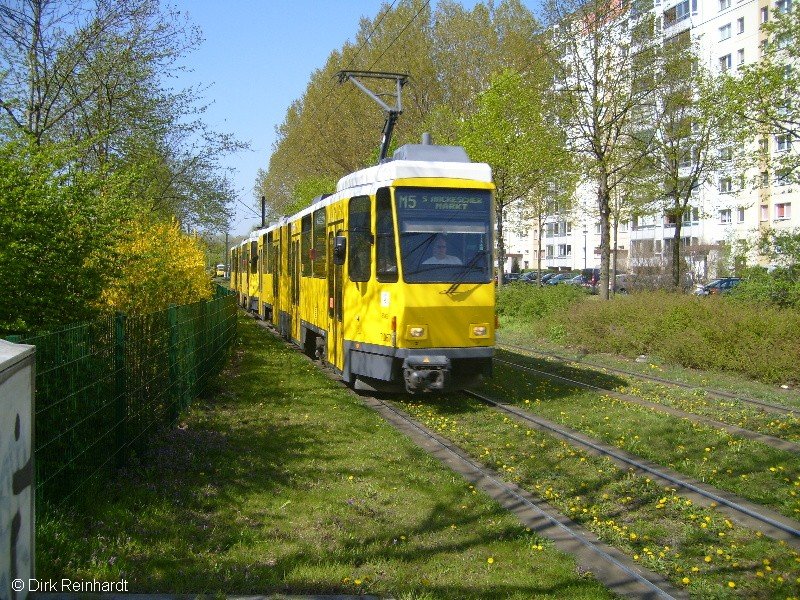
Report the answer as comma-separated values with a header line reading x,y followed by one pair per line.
x,y
268,252
305,243
263,254
320,255
360,249
254,257
384,238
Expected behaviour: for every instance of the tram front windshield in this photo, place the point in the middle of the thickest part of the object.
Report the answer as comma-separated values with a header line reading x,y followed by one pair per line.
x,y
445,235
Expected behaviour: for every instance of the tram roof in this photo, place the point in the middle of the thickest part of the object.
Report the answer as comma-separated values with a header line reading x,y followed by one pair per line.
x,y
366,181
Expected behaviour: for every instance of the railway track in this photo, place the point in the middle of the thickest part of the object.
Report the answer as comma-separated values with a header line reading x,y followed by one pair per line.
x,y
610,566
748,514
719,394
623,574
769,440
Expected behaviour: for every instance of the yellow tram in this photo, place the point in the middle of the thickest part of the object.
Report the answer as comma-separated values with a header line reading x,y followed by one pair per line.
x,y
389,279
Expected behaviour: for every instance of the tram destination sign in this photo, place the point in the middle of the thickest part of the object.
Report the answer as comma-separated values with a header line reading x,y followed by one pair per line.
x,y
450,200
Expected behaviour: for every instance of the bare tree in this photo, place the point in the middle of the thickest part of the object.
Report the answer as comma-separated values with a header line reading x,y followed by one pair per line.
x,y
691,141
604,55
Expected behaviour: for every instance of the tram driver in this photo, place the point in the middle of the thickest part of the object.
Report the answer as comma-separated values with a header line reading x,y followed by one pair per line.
x,y
440,255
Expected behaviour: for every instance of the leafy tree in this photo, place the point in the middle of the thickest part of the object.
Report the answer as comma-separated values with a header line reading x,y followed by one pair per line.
x,y
161,266
763,99
92,76
780,283
512,132
688,143
604,56
56,239
450,56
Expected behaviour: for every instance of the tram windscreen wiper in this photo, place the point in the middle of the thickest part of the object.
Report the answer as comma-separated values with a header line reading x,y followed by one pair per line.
x,y
462,275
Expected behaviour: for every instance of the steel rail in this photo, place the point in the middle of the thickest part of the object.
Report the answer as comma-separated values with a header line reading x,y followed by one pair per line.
x,y
459,455
603,449
779,408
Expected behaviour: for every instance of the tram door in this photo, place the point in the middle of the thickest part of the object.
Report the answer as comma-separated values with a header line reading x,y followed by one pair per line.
x,y
275,249
335,304
262,268
294,267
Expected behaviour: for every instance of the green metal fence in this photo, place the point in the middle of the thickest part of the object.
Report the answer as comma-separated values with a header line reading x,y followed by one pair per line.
x,y
103,388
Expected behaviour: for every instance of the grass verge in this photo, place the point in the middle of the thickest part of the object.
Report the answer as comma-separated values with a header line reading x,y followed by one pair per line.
x,y
281,481
752,470
697,548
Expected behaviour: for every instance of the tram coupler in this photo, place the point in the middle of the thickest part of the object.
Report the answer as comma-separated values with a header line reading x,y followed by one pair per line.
x,y
426,373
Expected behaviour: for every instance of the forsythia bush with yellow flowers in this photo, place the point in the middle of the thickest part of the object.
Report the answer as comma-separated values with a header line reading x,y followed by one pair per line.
x,y
158,265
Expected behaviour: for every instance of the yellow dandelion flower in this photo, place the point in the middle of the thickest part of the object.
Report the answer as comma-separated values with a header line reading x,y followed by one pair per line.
x,y
686,581
731,584
707,559
490,560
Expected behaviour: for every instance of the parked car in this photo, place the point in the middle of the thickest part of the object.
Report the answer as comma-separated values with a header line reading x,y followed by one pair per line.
x,y
591,277
548,276
723,285
510,277
528,277
623,283
577,280
560,278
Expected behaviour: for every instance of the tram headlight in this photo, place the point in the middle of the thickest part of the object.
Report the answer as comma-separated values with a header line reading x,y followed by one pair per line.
x,y
417,332
480,330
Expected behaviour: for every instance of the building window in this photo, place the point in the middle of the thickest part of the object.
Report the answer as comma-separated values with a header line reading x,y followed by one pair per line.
x,y
740,25
740,56
783,142
724,4
725,32
677,13
726,153
691,215
550,251
782,177
740,215
783,6
725,216
564,250
725,185
725,62
783,211
764,14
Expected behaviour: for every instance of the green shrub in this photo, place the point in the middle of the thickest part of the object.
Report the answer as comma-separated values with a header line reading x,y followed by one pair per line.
x,y
780,287
523,301
715,333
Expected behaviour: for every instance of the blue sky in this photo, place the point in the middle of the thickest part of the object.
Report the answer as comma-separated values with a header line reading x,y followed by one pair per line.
x,y
257,58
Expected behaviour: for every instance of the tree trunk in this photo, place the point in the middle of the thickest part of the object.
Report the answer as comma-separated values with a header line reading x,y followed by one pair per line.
x,y
605,231
676,254
34,76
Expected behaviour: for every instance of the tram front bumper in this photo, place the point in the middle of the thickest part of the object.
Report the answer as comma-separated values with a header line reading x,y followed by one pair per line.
x,y
426,373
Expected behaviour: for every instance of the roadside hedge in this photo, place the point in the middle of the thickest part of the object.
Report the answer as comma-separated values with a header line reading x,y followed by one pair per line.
x,y
712,333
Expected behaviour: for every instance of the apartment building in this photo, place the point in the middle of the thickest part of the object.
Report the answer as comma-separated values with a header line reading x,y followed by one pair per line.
x,y
728,34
